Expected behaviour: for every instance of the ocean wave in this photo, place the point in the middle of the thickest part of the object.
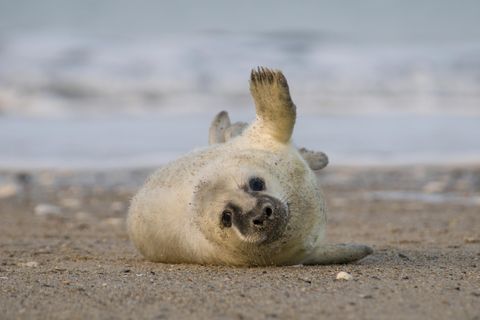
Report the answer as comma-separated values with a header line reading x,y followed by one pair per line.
x,y
53,74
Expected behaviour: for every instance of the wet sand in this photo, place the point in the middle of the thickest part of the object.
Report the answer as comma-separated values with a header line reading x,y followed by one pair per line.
x,y
64,253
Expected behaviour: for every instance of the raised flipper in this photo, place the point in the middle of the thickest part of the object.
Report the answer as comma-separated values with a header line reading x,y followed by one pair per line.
x,y
338,254
222,130
275,110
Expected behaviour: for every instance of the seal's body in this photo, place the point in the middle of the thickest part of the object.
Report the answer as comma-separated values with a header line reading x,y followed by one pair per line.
x,y
250,198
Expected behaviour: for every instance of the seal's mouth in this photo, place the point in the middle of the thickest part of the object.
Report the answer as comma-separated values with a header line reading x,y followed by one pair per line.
x,y
263,224
252,238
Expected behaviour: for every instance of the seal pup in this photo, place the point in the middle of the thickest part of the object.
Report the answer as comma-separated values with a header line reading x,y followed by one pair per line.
x,y
249,199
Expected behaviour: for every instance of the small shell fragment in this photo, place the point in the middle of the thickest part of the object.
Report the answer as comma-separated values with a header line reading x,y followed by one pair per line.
x,y
342,275
29,264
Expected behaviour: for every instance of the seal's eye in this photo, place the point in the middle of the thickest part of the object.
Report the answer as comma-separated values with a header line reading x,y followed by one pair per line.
x,y
256,184
227,219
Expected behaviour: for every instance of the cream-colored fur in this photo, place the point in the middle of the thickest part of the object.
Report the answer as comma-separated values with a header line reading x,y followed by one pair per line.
x,y
175,217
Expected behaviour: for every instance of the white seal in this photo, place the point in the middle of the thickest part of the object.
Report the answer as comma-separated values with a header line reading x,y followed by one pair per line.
x,y
250,198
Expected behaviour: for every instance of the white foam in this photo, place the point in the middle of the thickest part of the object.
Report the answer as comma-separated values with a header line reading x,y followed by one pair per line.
x,y
49,74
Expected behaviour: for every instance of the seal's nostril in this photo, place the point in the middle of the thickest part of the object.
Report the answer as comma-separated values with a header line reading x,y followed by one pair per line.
x,y
268,211
258,222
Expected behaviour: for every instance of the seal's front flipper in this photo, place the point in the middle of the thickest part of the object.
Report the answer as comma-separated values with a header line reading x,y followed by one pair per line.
x,y
275,110
338,254
316,159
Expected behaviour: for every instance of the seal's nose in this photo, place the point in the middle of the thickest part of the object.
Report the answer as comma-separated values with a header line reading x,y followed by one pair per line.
x,y
265,214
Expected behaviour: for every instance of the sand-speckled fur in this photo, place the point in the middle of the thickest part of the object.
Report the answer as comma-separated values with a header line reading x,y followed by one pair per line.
x,y
174,218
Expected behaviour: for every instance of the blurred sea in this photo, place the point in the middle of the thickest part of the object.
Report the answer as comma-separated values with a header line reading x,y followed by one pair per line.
x,y
108,84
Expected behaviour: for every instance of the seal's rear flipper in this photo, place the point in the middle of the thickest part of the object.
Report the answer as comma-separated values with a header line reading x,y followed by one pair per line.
x,y
222,130
338,253
220,123
275,109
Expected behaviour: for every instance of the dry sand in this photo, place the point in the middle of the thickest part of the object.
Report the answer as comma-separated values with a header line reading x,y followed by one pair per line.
x,y
71,258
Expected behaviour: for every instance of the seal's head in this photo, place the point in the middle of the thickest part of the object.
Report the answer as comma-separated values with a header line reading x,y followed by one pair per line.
x,y
256,210
244,206
261,219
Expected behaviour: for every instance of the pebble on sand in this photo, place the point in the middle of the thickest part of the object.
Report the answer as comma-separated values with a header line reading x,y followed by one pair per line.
x,y
471,240
342,275
30,264
8,190
45,209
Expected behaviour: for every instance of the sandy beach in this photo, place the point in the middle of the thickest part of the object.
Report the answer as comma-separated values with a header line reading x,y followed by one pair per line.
x,y
64,252
389,90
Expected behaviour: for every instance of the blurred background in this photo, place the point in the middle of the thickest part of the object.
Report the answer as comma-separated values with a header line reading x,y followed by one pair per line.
x,y
101,84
